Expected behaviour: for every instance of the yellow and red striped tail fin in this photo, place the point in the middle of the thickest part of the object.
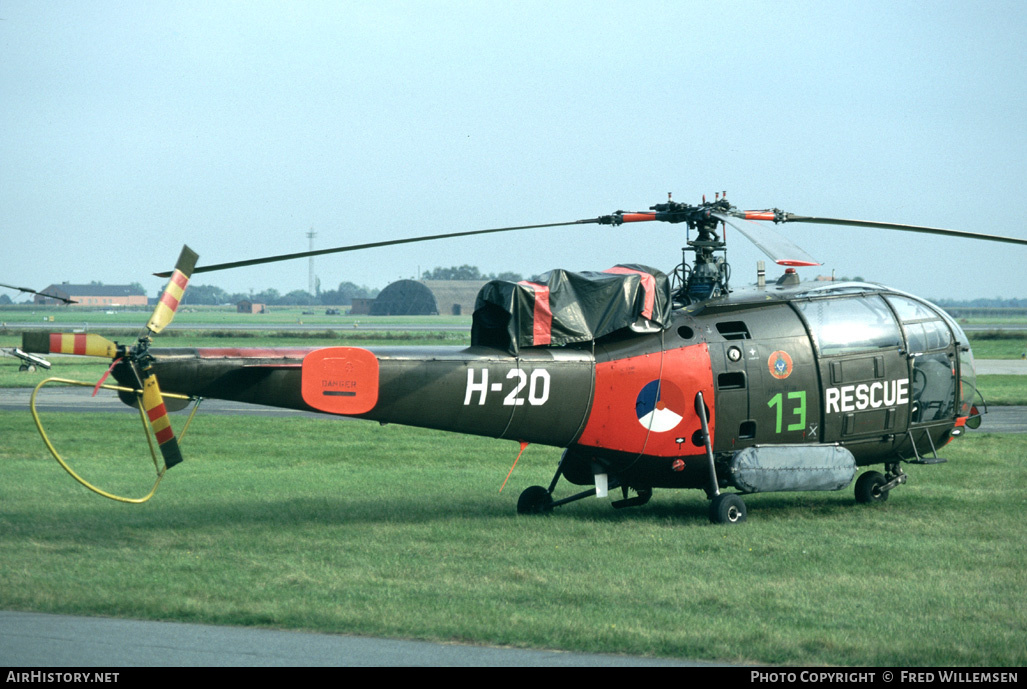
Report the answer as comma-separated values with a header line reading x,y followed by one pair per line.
x,y
172,295
157,413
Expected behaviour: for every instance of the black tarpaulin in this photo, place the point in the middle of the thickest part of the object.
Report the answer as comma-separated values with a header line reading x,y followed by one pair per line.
x,y
569,307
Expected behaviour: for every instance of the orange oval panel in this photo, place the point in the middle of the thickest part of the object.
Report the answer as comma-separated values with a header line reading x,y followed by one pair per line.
x,y
340,380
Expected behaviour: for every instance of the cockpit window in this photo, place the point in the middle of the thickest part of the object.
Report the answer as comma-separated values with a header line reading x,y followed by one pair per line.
x,y
911,310
967,382
934,370
925,329
926,336
851,324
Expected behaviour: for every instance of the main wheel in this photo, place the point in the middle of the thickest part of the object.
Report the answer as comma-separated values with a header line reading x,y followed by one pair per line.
x,y
535,500
868,487
727,508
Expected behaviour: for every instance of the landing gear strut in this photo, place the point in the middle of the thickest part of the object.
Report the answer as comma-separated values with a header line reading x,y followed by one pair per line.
x,y
725,508
539,500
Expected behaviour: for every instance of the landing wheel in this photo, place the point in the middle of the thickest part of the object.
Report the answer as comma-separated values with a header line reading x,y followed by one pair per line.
x,y
535,500
27,367
727,508
868,487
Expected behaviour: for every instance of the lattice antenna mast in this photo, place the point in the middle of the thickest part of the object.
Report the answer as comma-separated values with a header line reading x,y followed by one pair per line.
x,y
311,280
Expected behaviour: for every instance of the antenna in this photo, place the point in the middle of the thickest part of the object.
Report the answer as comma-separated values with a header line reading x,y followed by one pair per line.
x,y
310,278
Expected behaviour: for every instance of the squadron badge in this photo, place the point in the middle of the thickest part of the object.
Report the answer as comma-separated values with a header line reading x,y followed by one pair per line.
x,y
780,364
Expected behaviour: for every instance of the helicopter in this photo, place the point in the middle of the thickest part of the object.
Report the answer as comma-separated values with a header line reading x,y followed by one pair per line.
x,y
646,380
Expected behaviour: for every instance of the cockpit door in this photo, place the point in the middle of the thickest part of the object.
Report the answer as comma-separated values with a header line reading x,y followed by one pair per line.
x,y
863,370
931,350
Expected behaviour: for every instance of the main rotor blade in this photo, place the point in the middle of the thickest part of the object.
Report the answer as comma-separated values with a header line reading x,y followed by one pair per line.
x,y
42,294
775,245
790,217
370,245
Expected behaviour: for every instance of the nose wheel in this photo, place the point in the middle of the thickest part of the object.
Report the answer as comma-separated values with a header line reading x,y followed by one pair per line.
x,y
869,488
873,486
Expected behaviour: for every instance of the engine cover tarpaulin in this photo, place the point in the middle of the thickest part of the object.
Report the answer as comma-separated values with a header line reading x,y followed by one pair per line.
x,y
569,307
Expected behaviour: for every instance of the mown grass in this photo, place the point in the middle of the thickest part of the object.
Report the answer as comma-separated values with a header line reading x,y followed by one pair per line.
x,y
999,390
347,527
998,344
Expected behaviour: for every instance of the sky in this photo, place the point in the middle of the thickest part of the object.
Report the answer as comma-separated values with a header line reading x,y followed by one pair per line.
x,y
128,129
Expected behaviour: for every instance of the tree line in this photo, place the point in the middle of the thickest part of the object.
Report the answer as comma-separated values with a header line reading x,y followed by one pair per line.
x,y
211,295
466,272
343,295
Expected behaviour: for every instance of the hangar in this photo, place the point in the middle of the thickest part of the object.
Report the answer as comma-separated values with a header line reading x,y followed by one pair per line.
x,y
427,298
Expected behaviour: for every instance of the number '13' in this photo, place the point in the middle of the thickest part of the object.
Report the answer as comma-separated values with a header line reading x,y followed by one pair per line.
x,y
799,410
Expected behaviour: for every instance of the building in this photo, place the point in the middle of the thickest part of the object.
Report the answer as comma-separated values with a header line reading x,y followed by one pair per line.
x,y
247,306
427,298
93,295
360,306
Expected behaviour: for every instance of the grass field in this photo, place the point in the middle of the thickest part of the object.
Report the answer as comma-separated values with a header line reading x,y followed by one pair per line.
x,y
347,527
999,344
209,316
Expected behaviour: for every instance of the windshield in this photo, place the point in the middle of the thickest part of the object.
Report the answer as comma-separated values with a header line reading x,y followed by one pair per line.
x,y
851,324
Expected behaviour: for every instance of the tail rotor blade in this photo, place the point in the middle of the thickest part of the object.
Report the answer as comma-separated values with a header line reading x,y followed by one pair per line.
x,y
157,413
83,344
172,295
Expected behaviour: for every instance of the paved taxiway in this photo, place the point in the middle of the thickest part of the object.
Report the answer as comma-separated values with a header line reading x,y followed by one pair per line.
x,y
38,640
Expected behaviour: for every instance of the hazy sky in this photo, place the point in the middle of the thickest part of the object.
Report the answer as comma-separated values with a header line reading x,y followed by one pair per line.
x,y
130,128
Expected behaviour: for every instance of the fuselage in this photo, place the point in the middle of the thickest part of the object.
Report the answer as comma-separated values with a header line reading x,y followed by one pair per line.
x,y
880,372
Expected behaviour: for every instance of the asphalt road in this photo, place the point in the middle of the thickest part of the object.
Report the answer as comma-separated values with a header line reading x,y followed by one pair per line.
x,y
38,640
1001,367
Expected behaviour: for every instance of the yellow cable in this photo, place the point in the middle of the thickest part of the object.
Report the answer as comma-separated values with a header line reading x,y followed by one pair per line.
x,y
146,429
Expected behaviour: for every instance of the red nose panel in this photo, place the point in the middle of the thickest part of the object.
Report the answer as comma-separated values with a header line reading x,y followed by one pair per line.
x,y
341,380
